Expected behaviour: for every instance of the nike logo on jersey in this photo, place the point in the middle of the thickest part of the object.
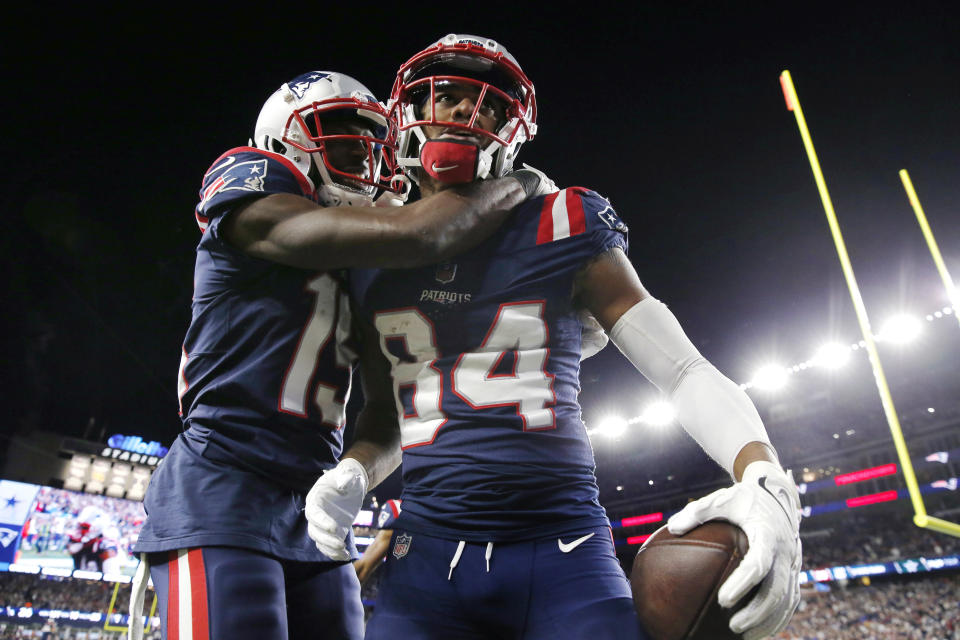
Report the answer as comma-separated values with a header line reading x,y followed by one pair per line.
x,y
570,546
437,169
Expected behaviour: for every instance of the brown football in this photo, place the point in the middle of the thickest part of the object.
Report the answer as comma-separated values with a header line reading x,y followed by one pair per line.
x,y
675,580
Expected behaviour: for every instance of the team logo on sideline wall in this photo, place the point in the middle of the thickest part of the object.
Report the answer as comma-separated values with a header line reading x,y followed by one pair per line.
x,y
402,545
7,536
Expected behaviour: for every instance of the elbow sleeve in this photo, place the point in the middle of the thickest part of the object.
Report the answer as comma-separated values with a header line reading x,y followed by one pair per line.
x,y
712,409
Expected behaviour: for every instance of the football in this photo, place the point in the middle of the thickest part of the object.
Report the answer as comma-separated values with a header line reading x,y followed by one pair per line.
x,y
675,580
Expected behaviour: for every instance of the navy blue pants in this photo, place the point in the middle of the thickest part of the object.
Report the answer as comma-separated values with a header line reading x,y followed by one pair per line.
x,y
554,589
216,593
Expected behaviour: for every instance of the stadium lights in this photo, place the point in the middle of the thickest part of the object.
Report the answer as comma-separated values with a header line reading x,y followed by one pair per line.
x,y
770,378
946,311
832,356
611,427
659,414
900,329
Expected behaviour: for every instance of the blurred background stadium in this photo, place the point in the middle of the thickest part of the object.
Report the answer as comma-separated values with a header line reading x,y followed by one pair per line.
x,y
868,571
672,110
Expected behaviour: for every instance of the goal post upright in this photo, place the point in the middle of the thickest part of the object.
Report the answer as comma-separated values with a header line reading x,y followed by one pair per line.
x,y
920,517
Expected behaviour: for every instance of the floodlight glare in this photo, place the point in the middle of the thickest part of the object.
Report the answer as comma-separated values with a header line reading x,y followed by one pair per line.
x,y
832,356
612,427
770,377
659,413
900,329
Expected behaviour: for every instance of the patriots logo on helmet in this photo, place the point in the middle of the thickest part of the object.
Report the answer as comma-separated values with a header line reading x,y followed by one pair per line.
x,y
300,86
402,545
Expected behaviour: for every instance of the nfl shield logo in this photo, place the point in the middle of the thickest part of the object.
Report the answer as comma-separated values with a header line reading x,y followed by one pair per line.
x,y
402,545
446,272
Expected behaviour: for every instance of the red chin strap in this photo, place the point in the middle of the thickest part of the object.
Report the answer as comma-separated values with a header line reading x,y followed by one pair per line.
x,y
450,161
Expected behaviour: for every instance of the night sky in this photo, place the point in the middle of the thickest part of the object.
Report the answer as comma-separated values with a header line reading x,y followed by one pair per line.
x,y
673,111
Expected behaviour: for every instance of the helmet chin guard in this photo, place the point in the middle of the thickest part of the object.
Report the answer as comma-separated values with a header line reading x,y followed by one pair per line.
x,y
472,61
291,123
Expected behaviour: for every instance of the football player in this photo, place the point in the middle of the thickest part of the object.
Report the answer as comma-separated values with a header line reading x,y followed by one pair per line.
x,y
266,368
477,361
374,554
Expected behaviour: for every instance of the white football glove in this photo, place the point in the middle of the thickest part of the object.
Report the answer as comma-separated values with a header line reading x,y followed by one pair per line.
x,y
547,186
332,507
766,505
391,199
592,336
535,183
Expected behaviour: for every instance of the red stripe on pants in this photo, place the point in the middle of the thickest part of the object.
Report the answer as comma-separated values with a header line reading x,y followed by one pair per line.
x,y
198,595
173,597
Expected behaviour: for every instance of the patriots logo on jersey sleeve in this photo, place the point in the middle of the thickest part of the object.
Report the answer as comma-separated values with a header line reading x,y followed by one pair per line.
x,y
609,217
239,176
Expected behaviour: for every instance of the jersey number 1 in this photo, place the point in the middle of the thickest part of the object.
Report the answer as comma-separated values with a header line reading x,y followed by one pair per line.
x,y
330,319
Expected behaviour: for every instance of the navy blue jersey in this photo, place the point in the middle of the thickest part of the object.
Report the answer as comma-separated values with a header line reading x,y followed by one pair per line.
x,y
388,515
263,382
485,355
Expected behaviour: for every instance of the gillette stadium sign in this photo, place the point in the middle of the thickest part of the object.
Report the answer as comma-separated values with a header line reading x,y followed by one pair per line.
x,y
133,449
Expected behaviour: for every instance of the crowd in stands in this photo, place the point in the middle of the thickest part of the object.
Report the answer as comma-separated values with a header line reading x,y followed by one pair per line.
x,y
53,631
65,594
924,608
862,540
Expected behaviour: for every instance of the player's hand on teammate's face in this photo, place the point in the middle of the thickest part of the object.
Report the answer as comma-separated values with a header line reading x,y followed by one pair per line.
x,y
332,507
766,505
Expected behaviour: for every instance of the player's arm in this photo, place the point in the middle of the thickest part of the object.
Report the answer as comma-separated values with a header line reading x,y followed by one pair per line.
x,y
295,231
335,499
723,420
652,339
373,555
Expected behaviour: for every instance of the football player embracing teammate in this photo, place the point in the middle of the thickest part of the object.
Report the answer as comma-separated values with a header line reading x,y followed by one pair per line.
x,y
266,368
477,360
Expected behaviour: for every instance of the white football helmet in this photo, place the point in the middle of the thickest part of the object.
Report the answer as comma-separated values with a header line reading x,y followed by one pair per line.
x,y
471,60
291,124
